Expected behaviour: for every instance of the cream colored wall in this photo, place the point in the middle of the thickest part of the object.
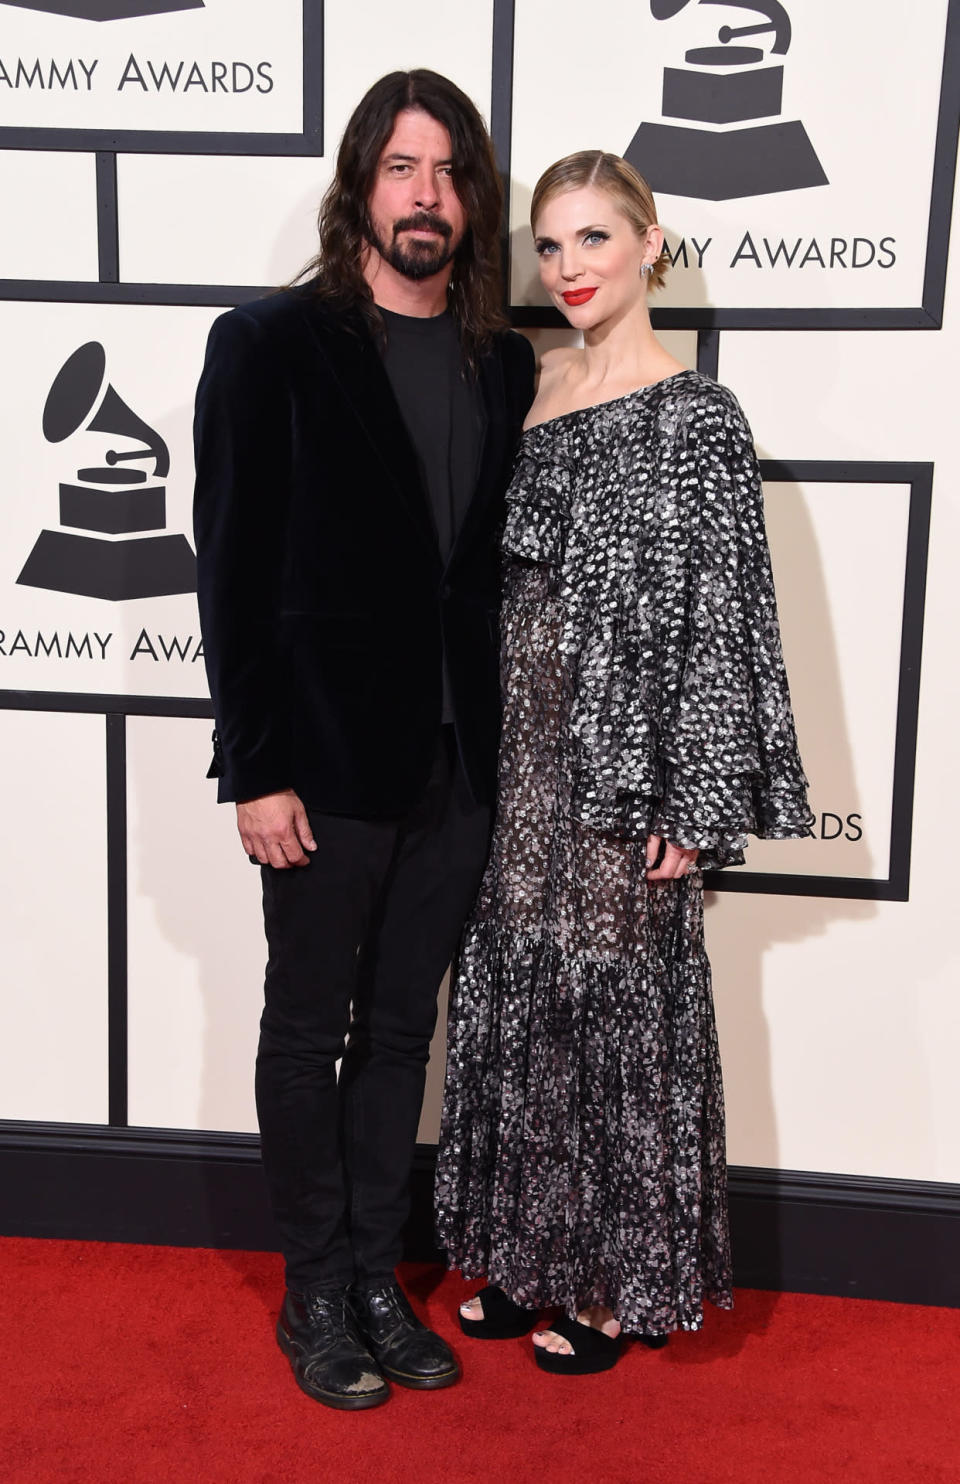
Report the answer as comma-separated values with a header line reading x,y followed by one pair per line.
x,y
41,192
53,900
839,1020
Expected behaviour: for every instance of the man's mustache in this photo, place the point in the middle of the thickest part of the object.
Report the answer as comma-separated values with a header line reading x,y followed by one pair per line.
x,y
423,221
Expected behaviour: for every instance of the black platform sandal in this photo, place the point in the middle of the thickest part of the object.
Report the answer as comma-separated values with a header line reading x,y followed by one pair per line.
x,y
502,1318
592,1350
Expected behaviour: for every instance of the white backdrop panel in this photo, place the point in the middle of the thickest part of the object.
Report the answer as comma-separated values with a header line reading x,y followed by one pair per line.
x,y
142,645
48,224
197,950
253,221
826,1063
826,394
53,884
843,83
843,661
840,1020
364,42
231,66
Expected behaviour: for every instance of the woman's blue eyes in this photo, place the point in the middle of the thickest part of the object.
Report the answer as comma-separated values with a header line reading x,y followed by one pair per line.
x,y
545,249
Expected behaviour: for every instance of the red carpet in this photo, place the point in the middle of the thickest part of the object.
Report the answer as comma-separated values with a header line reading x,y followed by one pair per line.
x,y
148,1364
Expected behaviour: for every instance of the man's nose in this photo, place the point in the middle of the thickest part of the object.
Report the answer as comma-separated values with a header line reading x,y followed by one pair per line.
x,y
428,196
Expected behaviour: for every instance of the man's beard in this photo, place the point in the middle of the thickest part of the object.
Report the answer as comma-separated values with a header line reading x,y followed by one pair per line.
x,y
417,259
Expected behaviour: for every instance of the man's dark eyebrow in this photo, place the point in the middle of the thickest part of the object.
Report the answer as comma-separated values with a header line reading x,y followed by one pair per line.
x,y
396,158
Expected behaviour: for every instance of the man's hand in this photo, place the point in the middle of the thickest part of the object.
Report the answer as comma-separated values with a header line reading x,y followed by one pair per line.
x,y
275,830
676,861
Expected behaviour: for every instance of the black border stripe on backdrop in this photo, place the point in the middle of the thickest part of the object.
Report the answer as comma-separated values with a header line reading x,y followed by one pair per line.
x,y
501,116
159,295
928,315
108,221
708,353
944,171
117,979
184,142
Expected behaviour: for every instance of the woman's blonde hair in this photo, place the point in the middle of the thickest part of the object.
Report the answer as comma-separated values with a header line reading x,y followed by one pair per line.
x,y
608,173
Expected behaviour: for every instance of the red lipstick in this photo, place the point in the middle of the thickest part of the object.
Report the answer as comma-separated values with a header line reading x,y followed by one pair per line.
x,y
578,296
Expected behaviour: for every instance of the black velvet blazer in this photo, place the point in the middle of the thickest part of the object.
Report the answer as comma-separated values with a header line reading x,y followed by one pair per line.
x,y
324,604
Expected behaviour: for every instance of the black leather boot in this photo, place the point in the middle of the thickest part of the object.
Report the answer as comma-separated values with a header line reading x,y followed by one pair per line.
x,y
317,1331
405,1349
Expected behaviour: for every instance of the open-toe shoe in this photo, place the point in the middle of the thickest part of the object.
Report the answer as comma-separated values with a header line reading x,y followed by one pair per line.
x,y
502,1318
592,1350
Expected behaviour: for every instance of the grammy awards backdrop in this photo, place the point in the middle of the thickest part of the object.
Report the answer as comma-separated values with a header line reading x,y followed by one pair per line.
x,y
162,161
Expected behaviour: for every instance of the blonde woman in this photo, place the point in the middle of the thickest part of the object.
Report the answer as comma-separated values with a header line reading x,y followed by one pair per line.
x,y
647,730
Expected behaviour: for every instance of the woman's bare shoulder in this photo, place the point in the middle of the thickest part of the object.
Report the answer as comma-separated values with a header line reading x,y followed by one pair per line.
x,y
556,366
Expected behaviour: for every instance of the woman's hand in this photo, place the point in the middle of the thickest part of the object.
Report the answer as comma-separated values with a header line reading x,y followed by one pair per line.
x,y
676,861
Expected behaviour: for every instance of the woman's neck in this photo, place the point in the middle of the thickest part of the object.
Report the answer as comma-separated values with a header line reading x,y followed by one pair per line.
x,y
624,351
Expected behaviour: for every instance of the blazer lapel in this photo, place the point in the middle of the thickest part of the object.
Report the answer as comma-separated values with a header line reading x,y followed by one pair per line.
x,y
355,363
493,393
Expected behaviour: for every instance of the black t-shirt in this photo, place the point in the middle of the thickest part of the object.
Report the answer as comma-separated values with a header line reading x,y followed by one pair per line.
x,y
442,410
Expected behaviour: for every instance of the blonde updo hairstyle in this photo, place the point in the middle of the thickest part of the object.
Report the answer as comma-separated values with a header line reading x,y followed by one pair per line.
x,y
625,186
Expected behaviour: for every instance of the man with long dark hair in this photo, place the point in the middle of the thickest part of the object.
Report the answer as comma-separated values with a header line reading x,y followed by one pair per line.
x,y
354,438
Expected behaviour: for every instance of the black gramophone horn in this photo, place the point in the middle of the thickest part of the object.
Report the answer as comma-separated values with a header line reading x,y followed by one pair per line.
x,y
73,396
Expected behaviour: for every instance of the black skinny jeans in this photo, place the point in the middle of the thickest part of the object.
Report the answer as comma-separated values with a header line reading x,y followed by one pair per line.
x,y
358,943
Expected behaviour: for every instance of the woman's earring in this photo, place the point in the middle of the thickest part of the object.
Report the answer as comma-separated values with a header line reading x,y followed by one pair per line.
x,y
646,269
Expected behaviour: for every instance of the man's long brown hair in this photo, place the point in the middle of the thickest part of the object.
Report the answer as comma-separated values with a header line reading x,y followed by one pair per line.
x,y
344,224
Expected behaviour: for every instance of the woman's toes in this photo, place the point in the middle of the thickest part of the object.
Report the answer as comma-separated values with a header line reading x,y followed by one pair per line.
x,y
545,1339
472,1309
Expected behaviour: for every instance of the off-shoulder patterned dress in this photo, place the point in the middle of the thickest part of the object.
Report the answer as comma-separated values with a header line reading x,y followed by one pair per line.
x,y
581,1152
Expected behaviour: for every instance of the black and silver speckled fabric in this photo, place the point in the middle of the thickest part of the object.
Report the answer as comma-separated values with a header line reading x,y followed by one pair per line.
x,y
582,1144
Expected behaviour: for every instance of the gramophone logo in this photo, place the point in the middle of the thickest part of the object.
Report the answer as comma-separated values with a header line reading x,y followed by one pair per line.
x,y
118,508
721,86
105,10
